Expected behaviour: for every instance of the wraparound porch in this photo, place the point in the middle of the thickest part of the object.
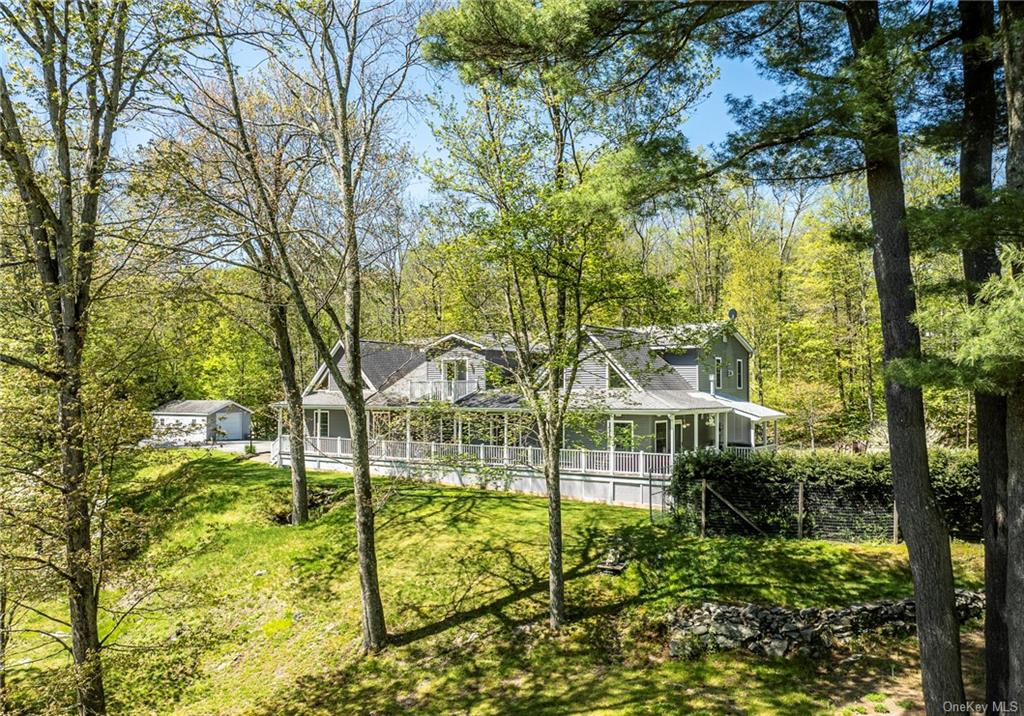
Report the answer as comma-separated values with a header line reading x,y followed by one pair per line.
x,y
632,463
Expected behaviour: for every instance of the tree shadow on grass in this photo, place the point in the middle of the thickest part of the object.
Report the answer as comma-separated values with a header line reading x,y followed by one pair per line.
x,y
531,676
794,573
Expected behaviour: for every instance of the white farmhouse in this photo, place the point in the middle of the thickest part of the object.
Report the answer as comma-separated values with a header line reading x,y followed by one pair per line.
x,y
185,422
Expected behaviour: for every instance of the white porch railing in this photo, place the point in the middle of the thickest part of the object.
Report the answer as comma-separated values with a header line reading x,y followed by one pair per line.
x,y
573,460
446,390
745,451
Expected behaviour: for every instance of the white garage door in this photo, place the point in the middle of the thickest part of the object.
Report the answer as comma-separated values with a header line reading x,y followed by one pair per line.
x,y
231,426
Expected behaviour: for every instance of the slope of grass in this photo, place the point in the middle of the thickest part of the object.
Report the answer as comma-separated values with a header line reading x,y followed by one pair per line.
x,y
258,618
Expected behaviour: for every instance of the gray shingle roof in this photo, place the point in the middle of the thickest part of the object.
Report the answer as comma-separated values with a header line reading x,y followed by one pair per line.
x,y
197,407
631,350
385,363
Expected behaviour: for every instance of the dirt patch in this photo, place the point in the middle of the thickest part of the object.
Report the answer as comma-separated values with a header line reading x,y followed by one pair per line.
x,y
859,690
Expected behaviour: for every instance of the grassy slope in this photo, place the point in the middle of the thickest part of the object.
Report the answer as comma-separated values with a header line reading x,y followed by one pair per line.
x,y
264,619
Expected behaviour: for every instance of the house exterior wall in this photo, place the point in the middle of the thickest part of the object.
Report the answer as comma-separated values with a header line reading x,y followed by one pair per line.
x,y
686,363
729,351
739,430
591,373
610,489
338,425
474,368
181,429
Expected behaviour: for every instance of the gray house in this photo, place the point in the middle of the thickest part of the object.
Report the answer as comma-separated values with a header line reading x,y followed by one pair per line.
x,y
640,397
188,422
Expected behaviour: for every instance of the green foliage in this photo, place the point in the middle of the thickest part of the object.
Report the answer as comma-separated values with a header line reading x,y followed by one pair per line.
x,y
954,475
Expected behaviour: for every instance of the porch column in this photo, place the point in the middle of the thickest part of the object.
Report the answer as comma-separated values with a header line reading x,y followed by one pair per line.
x,y
408,434
696,430
504,450
611,443
718,427
672,436
753,434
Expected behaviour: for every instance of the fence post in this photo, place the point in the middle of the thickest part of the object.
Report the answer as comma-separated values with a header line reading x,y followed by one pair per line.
x,y
800,510
703,506
895,522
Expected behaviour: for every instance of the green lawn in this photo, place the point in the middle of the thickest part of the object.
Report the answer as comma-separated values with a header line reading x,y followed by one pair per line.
x,y
259,618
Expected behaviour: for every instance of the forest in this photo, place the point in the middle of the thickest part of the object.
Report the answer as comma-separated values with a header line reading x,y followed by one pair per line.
x,y
201,199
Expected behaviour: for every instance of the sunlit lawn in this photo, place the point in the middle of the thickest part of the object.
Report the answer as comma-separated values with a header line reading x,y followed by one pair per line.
x,y
259,618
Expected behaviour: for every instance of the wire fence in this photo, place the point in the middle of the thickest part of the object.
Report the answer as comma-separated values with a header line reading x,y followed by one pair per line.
x,y
795,510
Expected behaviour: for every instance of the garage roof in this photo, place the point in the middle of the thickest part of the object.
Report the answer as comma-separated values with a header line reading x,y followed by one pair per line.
x,y
196,407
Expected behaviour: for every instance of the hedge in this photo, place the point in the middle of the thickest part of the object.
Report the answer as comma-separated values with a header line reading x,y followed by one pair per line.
x,y
954,475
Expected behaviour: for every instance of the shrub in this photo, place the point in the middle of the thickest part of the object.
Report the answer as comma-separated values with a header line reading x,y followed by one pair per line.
x,y
863,478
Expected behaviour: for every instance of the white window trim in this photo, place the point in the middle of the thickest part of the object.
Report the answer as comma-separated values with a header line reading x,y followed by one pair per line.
x,y
632,433
739,374
718,372
668,435
319,422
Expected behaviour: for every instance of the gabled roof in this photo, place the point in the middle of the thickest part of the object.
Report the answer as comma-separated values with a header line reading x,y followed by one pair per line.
x,y
631,353
383,363
196,407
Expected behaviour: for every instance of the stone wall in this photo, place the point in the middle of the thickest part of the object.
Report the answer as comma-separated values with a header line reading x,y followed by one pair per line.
x,y
777,632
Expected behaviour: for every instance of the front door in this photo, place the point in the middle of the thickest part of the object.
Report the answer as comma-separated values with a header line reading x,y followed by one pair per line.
x,y
661,436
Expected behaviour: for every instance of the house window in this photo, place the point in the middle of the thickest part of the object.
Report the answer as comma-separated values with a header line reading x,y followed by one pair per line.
x,y
322,423
613,378
739,373
661,444
718,372
622,437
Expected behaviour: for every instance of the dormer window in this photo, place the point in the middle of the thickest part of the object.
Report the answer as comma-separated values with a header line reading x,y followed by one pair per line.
x,y
613,378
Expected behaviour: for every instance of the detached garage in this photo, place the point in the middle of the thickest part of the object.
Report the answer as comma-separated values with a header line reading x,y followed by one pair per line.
x,y
201,421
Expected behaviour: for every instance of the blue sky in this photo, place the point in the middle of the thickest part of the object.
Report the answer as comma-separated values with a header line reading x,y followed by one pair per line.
x,y
708,124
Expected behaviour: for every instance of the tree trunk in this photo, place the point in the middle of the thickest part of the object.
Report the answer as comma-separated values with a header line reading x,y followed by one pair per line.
x,y
82,592
1015,544
4,639
296,422
922,523
1012,17
375,632
556,577
374,627
977,27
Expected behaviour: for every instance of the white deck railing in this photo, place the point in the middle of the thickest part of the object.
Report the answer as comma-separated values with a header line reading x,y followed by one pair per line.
x,y
747,450
446,390
615,462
